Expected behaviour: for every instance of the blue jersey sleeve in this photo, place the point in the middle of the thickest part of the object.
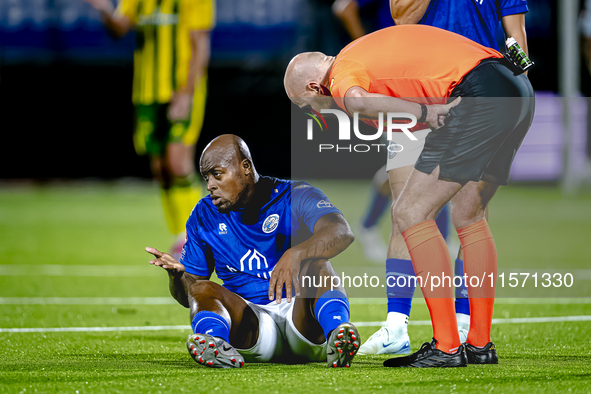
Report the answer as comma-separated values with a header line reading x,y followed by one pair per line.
x,y
309,204
197,256
512,7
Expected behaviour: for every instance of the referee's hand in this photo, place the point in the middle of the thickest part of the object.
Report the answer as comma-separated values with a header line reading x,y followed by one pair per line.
x,y
165,261
436,114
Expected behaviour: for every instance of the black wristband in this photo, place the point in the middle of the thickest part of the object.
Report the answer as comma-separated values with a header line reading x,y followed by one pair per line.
x,y
423,114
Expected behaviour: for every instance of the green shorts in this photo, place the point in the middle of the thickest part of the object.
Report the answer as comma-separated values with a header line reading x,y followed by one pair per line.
x,y
153,129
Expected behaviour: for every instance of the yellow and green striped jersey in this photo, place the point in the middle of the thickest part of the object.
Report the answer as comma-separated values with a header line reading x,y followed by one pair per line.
x,y
163,48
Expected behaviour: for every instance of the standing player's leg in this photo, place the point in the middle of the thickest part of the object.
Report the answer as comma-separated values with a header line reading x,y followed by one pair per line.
x,y
415,211
443,222
479,250
461,293
469,211
151,136
462,302
221,322
392,338
399,263
183,190
433,265
368,233
319,327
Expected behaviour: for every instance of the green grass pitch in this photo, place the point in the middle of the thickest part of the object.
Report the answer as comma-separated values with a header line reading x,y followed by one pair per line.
x,y
85,242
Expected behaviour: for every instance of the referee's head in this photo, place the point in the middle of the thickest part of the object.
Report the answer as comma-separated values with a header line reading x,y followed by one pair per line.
x,y
306,80
227,167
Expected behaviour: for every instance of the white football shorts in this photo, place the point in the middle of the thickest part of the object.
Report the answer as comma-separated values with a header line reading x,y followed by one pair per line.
x,y
402,151
279,340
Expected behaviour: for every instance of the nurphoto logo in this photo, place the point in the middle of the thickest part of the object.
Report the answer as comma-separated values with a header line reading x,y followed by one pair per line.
x,y
344,132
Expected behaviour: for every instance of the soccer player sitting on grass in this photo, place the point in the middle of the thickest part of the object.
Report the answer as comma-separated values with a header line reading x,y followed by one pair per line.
x,y
464,160
261,235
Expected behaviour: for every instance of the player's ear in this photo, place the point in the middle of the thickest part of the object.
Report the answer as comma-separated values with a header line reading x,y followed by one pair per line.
x,y
246,166
314,87
319,89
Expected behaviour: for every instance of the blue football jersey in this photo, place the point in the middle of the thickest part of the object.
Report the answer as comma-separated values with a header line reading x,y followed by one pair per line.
x,y
244,246
477,20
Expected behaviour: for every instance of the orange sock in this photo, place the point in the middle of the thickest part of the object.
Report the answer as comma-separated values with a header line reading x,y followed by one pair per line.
x,y
480,259
431,261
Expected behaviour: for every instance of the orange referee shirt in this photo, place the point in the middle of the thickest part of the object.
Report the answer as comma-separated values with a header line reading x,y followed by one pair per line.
x,y
415,62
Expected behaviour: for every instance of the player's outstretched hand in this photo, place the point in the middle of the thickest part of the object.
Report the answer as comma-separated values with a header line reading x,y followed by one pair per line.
x,y
165,261
286,272
437,113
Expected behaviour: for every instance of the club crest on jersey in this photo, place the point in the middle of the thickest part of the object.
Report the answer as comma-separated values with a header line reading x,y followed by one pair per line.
x,y
270,223
223,229
324,204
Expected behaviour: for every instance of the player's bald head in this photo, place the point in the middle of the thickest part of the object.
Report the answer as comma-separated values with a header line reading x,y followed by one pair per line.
x,y
226,166
225,150
303,73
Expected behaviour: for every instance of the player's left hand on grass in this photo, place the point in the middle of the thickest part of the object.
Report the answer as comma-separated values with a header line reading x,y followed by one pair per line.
x,y
180,106
286,272
165,261
436,114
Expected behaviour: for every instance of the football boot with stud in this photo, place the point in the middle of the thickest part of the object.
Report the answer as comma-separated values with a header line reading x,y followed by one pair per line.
x,y
213,352
342,345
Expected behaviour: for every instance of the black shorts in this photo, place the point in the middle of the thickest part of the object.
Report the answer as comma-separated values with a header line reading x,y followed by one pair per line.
x,y
482,134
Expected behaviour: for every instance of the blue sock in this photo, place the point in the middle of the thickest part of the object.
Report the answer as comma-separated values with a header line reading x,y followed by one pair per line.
x,y
379,203
332,309
462,302
442,221
399,297
210,323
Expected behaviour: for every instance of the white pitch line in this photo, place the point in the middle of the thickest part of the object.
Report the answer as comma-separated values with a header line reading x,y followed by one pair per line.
x,y
171,301
519,320
145,270
494,321
96,329
77,270
87,301
504,301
